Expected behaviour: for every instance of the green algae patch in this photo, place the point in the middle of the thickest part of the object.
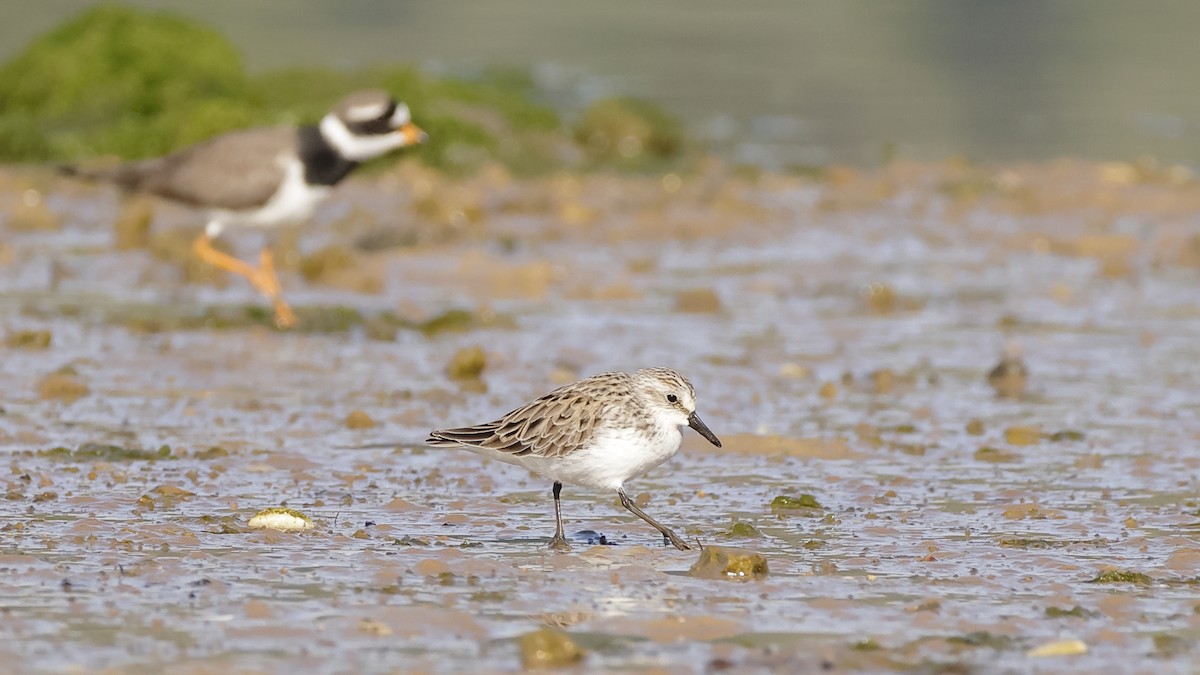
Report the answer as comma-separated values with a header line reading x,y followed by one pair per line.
x,y
803,505
1076,612
1122,577
107,453
548,648
629,132
228,524
29,339
996,455
742,529
123,81
723,562
1044,543
1066,435
214,452
452,320
981,638
280,518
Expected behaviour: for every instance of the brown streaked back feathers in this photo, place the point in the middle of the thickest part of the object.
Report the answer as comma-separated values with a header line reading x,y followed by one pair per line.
x,y
552,426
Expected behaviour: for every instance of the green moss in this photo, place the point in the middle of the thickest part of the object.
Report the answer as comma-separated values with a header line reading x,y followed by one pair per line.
x,y
629,132
107,453
1020,542
118,80
1075,612
995,455
981,638
214,452
452,320
1066,435
743,529
804,501
121,81
1122,577
29,339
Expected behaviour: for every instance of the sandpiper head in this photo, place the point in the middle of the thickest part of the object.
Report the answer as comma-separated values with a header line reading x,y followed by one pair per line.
x,y
670,397
368,124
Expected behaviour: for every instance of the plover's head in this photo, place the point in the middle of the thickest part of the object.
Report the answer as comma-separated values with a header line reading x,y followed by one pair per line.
x,y
368,124
670,397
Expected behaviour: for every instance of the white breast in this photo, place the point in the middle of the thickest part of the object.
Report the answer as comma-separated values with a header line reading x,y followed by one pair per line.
x,y
294,201
614,456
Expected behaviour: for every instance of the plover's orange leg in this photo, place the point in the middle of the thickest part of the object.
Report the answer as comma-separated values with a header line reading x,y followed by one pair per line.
x,y
263,277
284,316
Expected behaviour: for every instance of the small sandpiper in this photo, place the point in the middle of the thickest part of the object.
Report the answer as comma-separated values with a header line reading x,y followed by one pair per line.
x,y
265,177
596,433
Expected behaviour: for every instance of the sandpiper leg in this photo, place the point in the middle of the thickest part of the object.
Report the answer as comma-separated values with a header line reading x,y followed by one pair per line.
x,y
666,531
559,542
263,278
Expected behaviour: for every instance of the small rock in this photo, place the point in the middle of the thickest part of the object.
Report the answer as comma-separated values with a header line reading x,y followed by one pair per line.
x,y
794,371
549,648
1009,377
1059,648
1023,435
883,381
467,364
722,562
357,419
62,386
698,300
281,518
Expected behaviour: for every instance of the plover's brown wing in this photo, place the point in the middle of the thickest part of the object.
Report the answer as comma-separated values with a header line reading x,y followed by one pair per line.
x,y
239,170
552,426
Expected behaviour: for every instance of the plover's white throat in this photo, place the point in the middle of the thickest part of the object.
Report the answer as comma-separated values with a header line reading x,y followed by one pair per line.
x,y
597,433
268,176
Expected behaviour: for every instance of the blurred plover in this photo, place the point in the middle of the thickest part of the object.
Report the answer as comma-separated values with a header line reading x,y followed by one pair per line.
x,y
264,177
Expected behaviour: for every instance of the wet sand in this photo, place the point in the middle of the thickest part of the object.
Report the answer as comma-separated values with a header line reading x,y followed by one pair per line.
x,y
839,330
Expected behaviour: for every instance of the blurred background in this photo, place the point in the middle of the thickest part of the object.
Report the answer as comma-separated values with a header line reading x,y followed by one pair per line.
x,y
931,266
774,83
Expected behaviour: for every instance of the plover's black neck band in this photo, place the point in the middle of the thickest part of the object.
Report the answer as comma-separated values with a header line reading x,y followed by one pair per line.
x,y
322,163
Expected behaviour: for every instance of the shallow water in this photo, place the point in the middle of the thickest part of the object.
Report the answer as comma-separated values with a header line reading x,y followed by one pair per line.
x,y
779,82
844,356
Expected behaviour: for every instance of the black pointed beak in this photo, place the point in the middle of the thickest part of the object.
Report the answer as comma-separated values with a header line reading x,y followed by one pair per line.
x,y
701,428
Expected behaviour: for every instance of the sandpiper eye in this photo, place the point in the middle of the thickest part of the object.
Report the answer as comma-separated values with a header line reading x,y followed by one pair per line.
x,y
672,398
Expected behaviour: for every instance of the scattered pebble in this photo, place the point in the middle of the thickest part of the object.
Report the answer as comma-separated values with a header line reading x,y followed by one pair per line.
x,y
357,419
698,300
548,648
63,387
281,518
467,364
723,562
1059,648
